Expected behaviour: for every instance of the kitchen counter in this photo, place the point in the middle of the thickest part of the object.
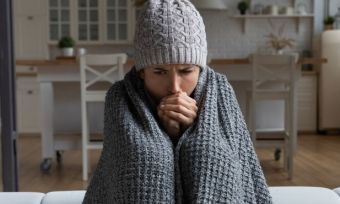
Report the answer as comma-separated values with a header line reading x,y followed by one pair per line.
x,y
131,61
59,90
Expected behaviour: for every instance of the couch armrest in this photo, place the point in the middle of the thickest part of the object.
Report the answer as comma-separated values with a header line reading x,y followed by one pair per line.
x,y
64,197
21,197
299,195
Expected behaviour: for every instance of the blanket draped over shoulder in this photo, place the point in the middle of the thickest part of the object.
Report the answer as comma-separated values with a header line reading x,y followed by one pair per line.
x,y
213,162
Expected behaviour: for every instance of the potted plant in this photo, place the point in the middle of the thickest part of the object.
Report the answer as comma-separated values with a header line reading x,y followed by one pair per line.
x,y
243,7
66,44
329,21
278,42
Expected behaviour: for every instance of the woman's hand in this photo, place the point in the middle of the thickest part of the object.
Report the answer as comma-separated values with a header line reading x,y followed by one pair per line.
x,y
172,127
179,107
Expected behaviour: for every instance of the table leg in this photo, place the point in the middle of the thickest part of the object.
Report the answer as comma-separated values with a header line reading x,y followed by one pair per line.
x,y
47,111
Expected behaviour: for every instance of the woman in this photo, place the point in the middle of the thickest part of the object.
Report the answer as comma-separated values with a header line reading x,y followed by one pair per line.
x,y
174,132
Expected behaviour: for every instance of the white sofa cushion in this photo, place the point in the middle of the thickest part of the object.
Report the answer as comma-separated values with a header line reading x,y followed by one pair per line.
x,y
281,195
64,197
21,197
301,195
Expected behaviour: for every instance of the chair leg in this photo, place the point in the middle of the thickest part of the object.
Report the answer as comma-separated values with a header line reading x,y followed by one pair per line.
x,y
290,165
250,118
84,142
291,139
253,120
248,111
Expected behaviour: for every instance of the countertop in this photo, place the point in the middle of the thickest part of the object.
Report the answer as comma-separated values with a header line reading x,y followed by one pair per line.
x,y
130,62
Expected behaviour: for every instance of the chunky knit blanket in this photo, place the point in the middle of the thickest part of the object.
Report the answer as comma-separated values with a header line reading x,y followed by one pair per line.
x,y
213,162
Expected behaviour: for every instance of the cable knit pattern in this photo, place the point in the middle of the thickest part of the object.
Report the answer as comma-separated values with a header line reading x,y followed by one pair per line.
x,y
170,32
213,162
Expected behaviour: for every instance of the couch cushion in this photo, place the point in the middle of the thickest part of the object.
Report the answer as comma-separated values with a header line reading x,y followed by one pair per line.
x,y
301,195
21,197
64,197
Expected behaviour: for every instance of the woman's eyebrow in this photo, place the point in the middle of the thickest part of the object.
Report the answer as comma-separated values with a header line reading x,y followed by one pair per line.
x,y
159,68
189,67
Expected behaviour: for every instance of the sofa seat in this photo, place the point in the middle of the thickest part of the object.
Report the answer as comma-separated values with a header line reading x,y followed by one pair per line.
x,y
63,197
280,194
300,195
21,197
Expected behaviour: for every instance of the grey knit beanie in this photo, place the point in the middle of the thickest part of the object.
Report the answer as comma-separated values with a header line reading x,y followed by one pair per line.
x,y
170,32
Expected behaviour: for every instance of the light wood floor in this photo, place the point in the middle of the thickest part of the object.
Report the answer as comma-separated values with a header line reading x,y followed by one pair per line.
x,y
317,163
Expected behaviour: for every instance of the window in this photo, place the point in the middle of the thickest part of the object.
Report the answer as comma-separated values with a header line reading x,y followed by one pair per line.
x,y
59,18
88,20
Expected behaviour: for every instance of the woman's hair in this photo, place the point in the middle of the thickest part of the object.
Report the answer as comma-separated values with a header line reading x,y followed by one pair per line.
x,y
170,32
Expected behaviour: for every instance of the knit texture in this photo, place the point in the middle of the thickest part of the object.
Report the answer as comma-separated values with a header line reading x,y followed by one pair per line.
x,y
170,32
213,161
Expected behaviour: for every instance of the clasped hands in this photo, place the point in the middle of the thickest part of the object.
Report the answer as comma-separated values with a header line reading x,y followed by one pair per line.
x,y
177,112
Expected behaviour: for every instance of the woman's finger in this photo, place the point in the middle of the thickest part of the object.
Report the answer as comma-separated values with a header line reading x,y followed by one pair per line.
x,y
184,120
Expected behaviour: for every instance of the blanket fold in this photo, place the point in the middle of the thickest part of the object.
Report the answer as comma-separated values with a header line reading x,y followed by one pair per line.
x,y
213,162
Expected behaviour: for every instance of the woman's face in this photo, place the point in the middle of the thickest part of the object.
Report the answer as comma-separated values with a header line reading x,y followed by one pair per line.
x,y
165,80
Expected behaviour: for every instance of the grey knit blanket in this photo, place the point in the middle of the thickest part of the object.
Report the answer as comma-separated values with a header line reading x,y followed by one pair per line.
x,y
213,162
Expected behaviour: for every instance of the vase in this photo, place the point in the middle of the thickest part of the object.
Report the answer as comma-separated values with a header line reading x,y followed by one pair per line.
x,y
329,27
279,51
68,52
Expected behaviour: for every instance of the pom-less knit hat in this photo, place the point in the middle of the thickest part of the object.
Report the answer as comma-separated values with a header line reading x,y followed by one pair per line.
x,y
170,32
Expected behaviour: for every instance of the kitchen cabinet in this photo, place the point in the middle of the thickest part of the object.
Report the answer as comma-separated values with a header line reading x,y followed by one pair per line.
x,y
92,21
307,102
28,104
29,8
30,29
30,22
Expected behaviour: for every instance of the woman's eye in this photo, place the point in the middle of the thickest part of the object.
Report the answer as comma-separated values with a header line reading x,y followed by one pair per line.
x,y
186,71
160,72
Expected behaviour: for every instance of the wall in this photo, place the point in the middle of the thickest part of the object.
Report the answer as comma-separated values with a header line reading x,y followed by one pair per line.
x,y
225,37
226,40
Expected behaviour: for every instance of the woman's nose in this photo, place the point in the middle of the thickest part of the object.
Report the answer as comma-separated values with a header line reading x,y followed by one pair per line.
x,y
174,85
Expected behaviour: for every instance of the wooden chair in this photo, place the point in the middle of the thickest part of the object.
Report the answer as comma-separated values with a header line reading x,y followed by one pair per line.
x,y
273,78
95,71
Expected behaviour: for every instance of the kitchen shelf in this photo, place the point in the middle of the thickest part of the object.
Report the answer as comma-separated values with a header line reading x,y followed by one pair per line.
x,y
245,18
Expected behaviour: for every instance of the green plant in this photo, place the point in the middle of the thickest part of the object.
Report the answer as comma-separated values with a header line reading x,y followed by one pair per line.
x,y
243,5
329,20
66,42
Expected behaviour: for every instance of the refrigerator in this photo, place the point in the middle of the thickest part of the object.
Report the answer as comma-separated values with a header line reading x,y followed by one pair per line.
x,y
329,82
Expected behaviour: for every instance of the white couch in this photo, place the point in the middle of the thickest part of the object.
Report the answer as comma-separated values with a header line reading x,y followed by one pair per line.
x,y
281,195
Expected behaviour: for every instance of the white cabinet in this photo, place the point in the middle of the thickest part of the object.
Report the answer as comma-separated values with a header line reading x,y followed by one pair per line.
x,y
30,29
29,38
92,21
307,103
29,8
30,23
28,104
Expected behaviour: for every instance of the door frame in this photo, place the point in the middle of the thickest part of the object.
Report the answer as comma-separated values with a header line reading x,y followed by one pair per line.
x,y
7,99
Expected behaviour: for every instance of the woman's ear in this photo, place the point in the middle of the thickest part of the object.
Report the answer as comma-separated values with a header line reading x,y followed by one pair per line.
x,y
142,74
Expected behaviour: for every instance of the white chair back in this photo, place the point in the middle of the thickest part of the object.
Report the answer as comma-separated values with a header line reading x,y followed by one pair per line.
x,y
273,78
269,71
101,68
97,73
